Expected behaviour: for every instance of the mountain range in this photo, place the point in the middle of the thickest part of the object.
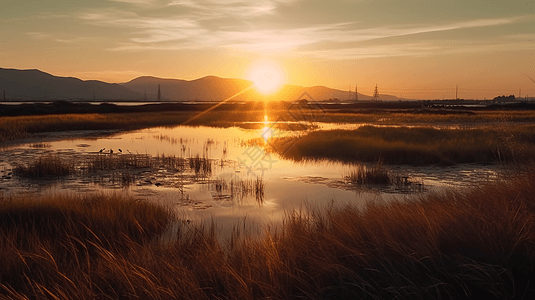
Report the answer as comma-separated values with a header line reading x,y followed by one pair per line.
x,y
38,85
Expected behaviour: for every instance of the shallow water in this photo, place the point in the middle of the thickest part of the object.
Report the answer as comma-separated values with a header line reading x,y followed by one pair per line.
x,y
286,185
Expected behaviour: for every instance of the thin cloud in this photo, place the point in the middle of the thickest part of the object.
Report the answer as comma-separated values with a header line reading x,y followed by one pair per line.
x,y
419,49
40,35
230,24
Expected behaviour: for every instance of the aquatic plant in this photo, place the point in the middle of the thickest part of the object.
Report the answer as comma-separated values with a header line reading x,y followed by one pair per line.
x,y
376,174
201,165
235,187
40,145
46,166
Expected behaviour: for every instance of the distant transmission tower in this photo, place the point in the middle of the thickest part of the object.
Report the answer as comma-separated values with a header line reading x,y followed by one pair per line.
x,y
349,94
376,94
356,93
159,93
456,92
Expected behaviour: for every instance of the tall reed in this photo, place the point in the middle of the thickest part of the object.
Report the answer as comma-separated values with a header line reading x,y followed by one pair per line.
x,y
376,174
46,166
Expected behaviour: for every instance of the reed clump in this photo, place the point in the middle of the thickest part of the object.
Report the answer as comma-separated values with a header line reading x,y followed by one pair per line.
x,y
404,145
236,188
46,166
376,174
40,145
99,162
123,167
361,175
201,165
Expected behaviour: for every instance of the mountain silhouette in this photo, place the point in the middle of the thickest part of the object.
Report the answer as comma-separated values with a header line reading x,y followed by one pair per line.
x,y
209,88
213,88
35,84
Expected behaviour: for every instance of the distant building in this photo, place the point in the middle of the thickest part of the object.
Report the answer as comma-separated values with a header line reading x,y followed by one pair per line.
x,y
503,98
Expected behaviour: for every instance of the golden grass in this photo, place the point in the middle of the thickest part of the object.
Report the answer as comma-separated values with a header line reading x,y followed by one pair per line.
x,y
400,117
13,128
415,145
456,244
58,247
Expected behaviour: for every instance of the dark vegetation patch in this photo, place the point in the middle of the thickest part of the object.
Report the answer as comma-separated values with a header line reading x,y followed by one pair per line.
x,y
420,145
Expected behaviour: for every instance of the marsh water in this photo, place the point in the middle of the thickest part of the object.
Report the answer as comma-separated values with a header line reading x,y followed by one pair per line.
x,y
215,172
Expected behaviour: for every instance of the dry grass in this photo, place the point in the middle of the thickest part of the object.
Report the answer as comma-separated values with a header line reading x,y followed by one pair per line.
x,y
13,128
458,244
46,166
122,165
60,247
361,174
385,117
419,145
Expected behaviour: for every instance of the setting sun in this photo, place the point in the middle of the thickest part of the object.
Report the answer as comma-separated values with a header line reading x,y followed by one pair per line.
x,y
267,76
286,149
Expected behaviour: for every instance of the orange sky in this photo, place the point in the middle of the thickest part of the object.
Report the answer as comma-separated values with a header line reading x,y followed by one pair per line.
x,y
412,48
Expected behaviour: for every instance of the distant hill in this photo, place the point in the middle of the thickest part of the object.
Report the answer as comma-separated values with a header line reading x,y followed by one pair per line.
x,y
212,88
35,84
208,88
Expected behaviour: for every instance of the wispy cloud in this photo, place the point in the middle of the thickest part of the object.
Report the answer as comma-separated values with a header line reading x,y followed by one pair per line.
x,y
40,35
232,25
417,49
61,38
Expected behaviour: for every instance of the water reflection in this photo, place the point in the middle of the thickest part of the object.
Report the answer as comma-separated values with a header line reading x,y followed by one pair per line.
x,y
197,170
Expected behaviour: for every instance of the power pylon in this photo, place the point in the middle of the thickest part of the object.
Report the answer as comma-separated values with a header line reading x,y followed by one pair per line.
x,y
376,94
159,94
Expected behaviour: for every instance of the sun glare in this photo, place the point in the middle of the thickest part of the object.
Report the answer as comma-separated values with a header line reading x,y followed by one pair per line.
x,y
267,76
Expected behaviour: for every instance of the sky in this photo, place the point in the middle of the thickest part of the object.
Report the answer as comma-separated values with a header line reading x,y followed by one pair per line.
x,y
418,49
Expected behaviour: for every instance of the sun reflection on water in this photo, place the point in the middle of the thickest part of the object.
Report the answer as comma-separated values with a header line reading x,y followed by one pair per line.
x,y
266,131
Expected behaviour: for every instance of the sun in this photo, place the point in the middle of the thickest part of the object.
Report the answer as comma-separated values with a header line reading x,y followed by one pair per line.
x,y
267,76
